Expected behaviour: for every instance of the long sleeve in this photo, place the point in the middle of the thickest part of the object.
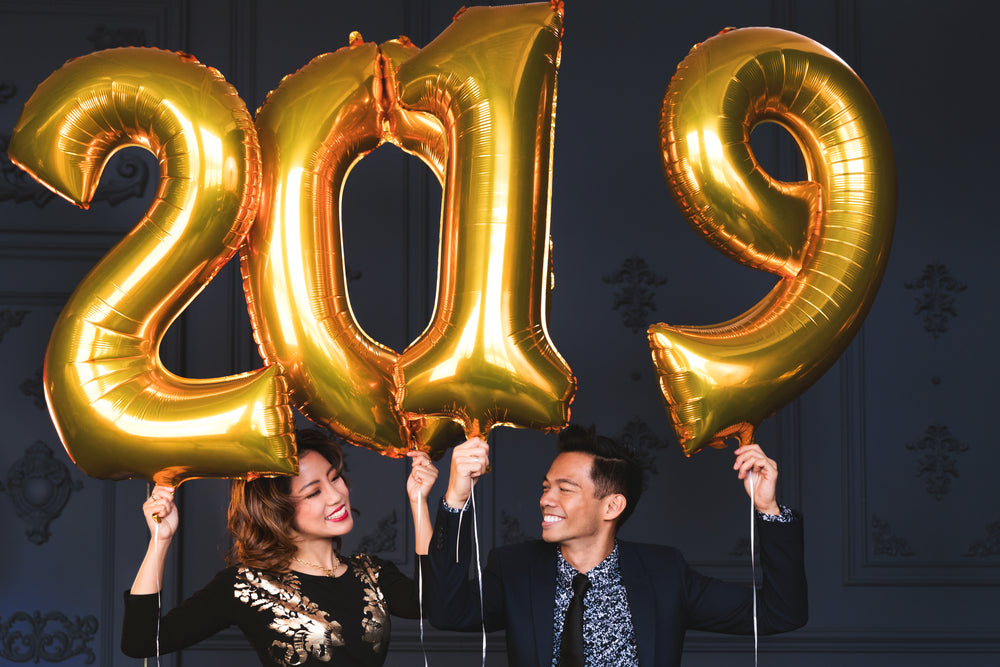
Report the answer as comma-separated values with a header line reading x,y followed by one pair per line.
x,y
195,619
782,605
454,598
401,593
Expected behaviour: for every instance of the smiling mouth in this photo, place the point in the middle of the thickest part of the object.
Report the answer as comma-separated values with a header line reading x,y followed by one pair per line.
x,y
338,514
549,519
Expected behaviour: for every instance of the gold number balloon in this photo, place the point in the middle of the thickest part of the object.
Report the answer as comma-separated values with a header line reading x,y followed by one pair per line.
x,y
119,412
827,239
476,106
486,357
313,128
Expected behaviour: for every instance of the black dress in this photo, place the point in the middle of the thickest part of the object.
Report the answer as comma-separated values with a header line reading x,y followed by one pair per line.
x,y
290,618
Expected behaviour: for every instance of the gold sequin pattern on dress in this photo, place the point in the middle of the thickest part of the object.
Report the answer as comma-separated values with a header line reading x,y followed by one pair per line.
x,y
375,617
307,628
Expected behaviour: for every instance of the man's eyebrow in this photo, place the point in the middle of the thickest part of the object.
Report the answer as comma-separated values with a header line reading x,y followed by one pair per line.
x,y
561,480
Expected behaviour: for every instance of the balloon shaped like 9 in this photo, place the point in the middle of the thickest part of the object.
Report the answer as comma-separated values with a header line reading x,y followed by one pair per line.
x,y
827,238
119,412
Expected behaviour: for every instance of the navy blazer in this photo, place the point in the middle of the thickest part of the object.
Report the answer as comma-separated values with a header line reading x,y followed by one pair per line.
x,y
666,596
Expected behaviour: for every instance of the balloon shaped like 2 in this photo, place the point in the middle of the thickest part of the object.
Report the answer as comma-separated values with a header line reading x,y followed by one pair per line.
x,y
486,357
827,238
119,412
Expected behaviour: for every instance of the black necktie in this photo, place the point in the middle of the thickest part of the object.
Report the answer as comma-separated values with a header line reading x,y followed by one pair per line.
x,y
571,651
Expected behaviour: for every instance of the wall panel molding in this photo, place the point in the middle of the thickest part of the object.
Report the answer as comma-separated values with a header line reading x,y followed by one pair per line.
x,y
865,557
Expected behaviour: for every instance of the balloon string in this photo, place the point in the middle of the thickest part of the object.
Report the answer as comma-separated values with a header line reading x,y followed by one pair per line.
x,y
420,586
753,568
159,601
479,571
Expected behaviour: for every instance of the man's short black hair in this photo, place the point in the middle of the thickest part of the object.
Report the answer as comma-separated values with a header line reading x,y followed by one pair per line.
x,y
615,468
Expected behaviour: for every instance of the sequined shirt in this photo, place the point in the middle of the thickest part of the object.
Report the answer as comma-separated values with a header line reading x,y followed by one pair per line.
x,y
290,618
608,635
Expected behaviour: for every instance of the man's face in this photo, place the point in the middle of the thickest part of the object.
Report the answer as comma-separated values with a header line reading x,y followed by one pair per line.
x,y
570,512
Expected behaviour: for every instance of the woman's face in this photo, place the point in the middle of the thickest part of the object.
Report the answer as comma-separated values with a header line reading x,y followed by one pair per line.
x,y
322,501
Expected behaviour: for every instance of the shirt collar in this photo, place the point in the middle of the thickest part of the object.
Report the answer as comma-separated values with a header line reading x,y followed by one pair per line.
x,y
606,571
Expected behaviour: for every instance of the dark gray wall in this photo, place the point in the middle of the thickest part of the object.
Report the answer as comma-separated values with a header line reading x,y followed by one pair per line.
x,y
889,455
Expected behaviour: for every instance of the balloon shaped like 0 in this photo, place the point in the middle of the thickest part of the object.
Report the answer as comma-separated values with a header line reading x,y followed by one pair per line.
x,y
118,411
827,238
313,128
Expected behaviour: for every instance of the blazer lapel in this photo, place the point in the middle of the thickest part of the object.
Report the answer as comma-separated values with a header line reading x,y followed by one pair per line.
x,y
641,601
543,600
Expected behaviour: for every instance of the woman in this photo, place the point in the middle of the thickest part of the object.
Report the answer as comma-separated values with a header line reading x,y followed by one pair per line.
x,y
296,599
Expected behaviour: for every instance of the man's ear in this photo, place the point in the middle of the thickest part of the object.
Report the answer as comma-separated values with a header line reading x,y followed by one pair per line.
x,y
614,505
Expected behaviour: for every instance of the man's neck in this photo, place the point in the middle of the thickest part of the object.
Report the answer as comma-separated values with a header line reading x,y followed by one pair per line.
x,y
585,556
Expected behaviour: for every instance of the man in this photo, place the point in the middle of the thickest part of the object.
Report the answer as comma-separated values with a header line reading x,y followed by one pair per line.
x,y
638,599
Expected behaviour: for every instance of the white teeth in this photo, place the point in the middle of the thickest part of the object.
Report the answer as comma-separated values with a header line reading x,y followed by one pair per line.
x,y
548,518
339,514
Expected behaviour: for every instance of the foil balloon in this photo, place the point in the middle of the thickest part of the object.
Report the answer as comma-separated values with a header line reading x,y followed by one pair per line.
x,y
486,357
119,412
313,129
827,238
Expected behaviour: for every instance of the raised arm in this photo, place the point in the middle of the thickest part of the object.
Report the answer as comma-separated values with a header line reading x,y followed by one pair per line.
x,y
162,519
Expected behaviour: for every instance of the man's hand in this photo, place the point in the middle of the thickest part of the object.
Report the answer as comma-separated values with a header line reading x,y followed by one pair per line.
x,y
765,476
468,461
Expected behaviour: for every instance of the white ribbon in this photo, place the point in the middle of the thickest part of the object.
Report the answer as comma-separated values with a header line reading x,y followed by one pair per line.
x,y
420,585
753,568
479,573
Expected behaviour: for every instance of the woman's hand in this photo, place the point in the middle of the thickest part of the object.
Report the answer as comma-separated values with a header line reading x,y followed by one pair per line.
x,y
423,474
160,505
468,461
765,477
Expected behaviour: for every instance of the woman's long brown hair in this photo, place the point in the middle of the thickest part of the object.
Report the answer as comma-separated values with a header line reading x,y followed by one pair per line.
x,y
262,511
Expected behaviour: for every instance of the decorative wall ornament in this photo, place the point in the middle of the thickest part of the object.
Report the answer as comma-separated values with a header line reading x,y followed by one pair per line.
x,y
936,300
129,180
989,545
33,388
644,443
510,529
105,38
39,486
636,295
51,637
10,319
937,466
887,544
7,91
383,539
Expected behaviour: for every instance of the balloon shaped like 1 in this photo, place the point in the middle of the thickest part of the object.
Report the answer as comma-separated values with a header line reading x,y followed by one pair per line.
x,y
486,357
827,239
313,129
118,411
